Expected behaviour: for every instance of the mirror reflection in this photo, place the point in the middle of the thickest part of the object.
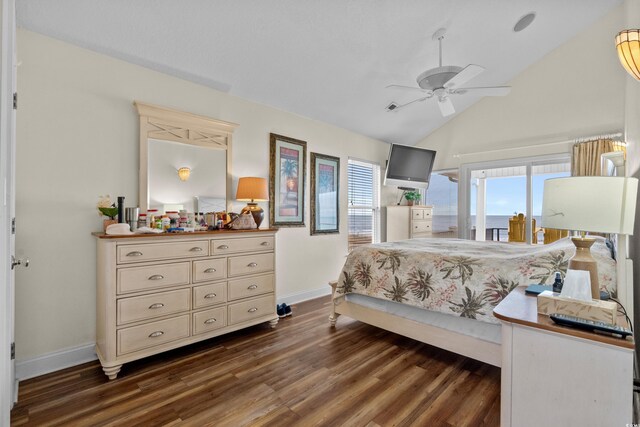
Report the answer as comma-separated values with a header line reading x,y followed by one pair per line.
x,y
200,185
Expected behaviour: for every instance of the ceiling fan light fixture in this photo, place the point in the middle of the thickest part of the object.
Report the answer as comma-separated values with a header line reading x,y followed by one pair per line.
x,y
524,22
628,47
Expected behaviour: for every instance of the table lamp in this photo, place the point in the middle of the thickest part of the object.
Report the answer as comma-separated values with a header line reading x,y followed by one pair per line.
x,y
252,189
602,204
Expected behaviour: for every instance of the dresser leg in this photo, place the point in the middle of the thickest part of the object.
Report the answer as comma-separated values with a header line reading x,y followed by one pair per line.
x,y
112,371
273,323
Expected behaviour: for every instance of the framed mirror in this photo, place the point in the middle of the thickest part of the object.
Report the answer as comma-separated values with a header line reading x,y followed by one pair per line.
x,y
185,159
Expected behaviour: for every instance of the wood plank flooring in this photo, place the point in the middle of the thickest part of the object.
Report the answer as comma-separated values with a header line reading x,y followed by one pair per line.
x,y
302,373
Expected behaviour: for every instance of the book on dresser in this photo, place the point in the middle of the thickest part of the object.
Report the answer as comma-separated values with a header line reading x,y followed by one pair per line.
x,y
159,292
408,222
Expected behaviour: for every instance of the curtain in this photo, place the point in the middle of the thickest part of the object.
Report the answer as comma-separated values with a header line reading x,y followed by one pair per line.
x,y
585,160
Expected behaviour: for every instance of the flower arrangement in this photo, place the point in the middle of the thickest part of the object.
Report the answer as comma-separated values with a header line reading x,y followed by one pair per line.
x,y
106,208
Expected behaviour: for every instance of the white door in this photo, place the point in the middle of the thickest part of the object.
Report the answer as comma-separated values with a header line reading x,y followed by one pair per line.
x,y
7,206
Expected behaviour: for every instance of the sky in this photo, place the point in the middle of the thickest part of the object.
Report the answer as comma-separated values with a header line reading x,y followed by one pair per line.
x,y
505,196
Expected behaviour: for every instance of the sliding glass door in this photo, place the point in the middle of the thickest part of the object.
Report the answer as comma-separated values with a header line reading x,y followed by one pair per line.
x,y
502,200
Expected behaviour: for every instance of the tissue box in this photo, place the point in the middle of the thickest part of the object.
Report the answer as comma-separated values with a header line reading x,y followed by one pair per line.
x,y
603,311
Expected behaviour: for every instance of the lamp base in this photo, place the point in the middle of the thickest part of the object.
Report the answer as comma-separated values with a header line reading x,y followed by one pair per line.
x,y
256,211
583,260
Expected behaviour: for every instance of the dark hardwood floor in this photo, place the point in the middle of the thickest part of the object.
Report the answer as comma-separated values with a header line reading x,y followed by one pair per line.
x,y
302,373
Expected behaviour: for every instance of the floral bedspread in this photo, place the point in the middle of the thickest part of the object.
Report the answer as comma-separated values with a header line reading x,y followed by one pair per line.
x,y
460,277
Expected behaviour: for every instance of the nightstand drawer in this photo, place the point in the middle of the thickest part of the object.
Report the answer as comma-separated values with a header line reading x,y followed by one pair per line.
x,y
421,226
209,320
251,286
417,213
207,295
152,334
251,309
250,264
134,279
158,251
149,306
251,244
209,269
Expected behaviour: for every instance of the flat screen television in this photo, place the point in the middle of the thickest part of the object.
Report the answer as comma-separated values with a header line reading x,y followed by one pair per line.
x,y
409,166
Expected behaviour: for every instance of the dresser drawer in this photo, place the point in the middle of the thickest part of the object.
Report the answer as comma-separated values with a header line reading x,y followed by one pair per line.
x,y
158,251
249,264
149,306
207,295
209,320
209,269
135,279
251,286
417,213
152,334
252,309
421,226
249,244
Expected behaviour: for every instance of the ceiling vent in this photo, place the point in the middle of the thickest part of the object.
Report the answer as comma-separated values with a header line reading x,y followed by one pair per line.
x,y
524,22
392,106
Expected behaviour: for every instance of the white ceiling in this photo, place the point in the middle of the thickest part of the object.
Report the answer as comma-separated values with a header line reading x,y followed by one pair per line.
x,y
329,60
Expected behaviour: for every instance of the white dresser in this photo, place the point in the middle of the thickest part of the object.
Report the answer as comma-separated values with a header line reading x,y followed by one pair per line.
x,y
408,222
159,292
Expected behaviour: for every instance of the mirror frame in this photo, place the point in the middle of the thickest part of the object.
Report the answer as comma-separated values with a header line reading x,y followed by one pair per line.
x,y
185,128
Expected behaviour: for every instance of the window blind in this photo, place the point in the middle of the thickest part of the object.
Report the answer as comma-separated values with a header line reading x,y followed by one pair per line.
x,y
364,203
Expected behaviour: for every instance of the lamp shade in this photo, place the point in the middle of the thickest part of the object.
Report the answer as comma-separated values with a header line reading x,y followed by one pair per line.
x,y
252,188
601,204
628,47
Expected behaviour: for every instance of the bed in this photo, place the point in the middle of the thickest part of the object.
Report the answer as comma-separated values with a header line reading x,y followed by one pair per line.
x,y
443,291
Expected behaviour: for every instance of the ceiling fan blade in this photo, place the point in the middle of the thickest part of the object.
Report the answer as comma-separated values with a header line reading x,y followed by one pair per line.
x,y
483,91
467,73
424,98
411,88
446,106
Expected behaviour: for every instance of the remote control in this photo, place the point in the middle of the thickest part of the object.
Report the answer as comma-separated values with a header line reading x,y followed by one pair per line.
x,y
590,325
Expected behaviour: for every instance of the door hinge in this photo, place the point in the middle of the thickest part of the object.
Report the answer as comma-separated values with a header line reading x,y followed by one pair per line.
x,y
13,226
13,351
15,100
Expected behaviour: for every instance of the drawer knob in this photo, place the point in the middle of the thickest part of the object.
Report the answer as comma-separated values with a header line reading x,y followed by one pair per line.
x,y
156,305
211,295
135,253
210,270
156,277
223,247
252,287
252,265
253,309
265,243
195,249
210,321
156,334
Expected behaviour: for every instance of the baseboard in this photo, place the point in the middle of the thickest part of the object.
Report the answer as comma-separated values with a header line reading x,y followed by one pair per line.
x,y
55,361
15,393
304,296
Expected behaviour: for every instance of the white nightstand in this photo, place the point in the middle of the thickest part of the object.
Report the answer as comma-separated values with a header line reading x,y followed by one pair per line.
x,y
560,376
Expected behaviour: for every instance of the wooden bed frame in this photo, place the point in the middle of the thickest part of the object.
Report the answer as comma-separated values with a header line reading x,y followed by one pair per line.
x,y
456,342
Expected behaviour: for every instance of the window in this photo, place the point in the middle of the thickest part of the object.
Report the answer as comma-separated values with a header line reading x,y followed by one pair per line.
x,y
496,192
442,194
364,203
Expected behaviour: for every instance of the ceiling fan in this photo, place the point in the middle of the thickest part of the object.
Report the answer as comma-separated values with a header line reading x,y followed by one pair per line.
x,y
444,81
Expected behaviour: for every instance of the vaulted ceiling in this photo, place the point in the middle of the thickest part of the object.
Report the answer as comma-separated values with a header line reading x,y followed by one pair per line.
x,y
329,60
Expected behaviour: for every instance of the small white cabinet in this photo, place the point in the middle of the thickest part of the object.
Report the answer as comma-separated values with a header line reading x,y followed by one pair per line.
x,y
159,292
408,222
559,376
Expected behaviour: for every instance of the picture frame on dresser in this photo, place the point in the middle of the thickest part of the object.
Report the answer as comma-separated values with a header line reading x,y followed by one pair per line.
x,y
287,167
325,194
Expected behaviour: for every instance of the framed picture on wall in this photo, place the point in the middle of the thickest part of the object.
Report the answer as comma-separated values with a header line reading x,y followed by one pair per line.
x,y
287,163
325,194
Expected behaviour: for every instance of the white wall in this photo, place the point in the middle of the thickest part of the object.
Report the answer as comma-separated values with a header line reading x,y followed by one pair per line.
x,y
576,90
78,139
